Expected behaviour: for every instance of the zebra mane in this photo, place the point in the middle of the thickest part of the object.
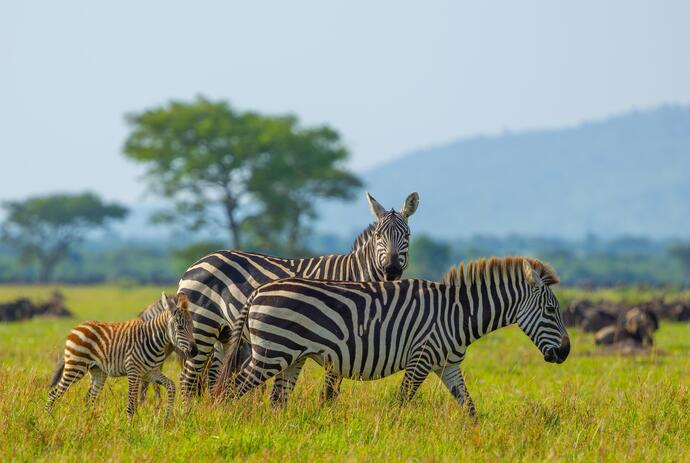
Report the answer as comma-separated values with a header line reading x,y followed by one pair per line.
x,y
477,270
363,237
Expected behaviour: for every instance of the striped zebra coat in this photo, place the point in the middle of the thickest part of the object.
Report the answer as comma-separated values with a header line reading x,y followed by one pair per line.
x,y
134,348
370,330
149,313
218,285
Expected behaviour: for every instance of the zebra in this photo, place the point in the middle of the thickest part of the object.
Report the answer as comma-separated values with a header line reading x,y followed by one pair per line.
x,y
149,313
370,330
219,284
134,348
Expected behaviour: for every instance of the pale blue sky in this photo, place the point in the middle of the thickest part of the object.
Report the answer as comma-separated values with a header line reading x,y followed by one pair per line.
x,y
390,76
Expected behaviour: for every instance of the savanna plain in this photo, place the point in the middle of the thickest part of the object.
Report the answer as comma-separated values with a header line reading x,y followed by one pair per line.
x,y
591,408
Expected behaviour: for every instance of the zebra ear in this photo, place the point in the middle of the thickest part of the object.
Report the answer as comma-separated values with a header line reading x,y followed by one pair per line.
x,y
410,205
531,275
377,209
164,301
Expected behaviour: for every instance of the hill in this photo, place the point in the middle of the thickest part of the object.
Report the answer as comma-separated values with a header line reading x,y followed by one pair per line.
x,y
627,175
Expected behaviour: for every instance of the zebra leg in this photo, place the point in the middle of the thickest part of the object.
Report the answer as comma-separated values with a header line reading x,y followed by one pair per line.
x,y
133,383
331,385
249,377
215,364
191,377
285,383
72,373
159,378
98,378
452,378
414,377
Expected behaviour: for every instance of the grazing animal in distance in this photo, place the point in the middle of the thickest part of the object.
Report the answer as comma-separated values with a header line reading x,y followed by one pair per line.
x,y
370,330
135,348
219,284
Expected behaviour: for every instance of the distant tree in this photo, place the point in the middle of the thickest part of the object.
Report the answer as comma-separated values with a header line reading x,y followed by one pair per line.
x,y
263,172
429,258
44,228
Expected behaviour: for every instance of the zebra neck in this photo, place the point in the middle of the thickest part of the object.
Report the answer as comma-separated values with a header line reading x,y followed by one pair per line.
x,y
358,265
157,332
483,307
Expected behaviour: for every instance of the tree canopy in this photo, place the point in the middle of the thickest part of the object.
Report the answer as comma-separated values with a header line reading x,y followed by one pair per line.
x,y
261,173
44,228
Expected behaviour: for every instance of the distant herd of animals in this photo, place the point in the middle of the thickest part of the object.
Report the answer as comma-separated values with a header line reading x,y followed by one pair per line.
x,y
239,319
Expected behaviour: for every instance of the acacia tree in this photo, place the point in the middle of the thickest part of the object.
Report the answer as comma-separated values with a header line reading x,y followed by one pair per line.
x,y
262,172
44,228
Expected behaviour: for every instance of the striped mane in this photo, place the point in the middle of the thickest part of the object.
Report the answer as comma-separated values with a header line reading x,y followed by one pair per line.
x,y
477,270
363,237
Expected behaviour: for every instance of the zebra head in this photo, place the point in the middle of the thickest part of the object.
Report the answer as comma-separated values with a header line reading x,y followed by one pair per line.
x,y
392,236
180,325
539,316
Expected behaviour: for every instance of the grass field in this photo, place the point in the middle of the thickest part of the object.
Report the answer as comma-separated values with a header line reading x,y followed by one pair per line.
x,y
592,407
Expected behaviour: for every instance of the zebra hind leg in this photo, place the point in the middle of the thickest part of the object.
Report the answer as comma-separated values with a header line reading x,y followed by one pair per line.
x,y
159,378
285,383
98,378
249,377
331,385
71,374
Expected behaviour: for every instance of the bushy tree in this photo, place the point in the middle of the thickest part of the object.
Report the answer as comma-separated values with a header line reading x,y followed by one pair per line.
x,y
43,229
263,172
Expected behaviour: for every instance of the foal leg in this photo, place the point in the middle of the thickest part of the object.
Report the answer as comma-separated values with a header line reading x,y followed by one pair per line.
x,y
159,378
72,373
98,378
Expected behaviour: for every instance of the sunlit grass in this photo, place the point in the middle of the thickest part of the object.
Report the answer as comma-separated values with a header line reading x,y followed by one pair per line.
x,y
590,408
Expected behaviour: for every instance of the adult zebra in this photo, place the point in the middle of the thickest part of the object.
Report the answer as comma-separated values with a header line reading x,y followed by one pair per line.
x,y
370,330
218,285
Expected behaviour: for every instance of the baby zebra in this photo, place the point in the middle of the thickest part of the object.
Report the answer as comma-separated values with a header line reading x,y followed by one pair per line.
x,y
370,330
134,348
149,313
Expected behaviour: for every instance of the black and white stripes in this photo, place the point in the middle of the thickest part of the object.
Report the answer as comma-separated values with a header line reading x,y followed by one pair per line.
x,y
135,349
218,285
370,330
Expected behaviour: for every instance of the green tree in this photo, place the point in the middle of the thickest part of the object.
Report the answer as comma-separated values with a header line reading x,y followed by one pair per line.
x,y
44,228
429,258
263,172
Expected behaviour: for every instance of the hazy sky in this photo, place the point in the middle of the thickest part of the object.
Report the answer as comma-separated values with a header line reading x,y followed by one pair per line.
x,y
390,76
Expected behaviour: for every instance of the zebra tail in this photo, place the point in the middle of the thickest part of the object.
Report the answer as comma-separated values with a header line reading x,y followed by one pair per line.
x,y
230,360
57,374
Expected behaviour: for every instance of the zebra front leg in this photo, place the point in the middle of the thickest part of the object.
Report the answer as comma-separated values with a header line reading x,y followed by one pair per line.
x,y
452,378
71,374
159,378
192,373
285,383
98,378
414,376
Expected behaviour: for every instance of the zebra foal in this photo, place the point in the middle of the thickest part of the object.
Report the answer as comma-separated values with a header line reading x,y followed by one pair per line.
x,y
370,330
134,348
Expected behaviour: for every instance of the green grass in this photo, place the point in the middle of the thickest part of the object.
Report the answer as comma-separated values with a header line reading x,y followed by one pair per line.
x,y
592,407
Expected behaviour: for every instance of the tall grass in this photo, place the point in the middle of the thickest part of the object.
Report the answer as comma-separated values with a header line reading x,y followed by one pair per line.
x,y
592,407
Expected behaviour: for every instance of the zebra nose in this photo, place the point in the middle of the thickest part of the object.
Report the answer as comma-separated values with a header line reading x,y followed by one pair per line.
x,y
564,349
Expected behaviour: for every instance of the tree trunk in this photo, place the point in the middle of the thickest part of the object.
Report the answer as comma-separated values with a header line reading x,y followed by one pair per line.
x,y
46,266
232,223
